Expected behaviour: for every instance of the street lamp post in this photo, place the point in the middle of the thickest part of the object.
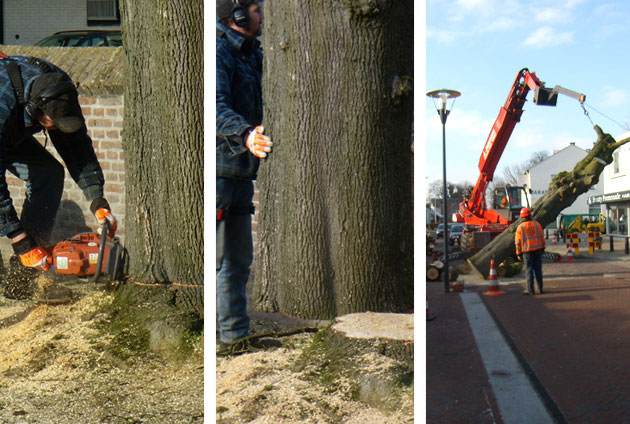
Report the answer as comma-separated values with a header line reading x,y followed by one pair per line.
x,y
443,110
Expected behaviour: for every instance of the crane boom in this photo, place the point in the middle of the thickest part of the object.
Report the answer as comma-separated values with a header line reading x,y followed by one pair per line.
x,y
473,210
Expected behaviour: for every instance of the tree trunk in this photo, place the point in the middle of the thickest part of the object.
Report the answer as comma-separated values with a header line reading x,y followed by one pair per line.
x,y
563,190
335,226
163,144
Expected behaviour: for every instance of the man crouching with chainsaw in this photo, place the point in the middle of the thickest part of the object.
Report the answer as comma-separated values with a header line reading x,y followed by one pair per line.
x,y
36,95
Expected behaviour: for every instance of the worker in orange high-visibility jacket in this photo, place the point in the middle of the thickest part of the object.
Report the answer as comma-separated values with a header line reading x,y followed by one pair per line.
x,y
530,245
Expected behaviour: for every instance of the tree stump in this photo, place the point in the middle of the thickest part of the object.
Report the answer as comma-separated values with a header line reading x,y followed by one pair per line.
x,y
384,333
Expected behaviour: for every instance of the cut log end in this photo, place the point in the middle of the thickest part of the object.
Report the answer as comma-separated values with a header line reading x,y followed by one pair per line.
x,y
432,273
386,333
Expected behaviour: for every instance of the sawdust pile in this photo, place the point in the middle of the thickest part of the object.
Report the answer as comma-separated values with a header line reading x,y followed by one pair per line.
x,y
264,387
53,369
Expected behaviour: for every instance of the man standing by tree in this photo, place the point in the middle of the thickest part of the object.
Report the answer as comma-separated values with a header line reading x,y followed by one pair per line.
x,y
240,143
530,244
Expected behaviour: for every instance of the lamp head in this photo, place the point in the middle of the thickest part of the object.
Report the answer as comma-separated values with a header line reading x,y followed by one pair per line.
x,y
444,95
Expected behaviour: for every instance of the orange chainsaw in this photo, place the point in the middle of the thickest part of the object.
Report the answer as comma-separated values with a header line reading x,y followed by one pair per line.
x,y
88,255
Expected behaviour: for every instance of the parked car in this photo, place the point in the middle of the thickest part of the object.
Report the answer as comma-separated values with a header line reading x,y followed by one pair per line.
x,y
455,233
439,231
84,38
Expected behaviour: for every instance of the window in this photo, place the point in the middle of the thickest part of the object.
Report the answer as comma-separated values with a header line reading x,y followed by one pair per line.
x,y
617,219
102,10
617,167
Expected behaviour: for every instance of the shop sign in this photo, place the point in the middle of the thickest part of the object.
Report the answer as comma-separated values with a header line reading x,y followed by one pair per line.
x,y
609,197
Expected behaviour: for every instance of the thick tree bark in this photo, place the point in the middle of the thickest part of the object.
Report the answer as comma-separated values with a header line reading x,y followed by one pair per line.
x,y
562,192
163,144
335,225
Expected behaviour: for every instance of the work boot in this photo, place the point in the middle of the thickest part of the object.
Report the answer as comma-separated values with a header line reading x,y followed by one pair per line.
x,y
223,348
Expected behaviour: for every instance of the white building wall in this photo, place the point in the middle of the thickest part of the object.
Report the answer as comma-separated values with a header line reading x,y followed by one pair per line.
x,y
539,177
617,178
28,21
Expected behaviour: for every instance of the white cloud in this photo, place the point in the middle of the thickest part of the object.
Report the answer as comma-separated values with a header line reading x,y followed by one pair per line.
x,y
468,18
547,14
467,7
445,36
611,30
614,97
501,23
561,12
529,137
546,37
465,129
534,136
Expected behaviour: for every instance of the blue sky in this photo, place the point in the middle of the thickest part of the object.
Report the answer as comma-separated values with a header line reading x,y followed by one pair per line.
x,y
477,47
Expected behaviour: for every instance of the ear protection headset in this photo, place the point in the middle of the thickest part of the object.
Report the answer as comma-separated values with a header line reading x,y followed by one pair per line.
x,y
240,14
47,95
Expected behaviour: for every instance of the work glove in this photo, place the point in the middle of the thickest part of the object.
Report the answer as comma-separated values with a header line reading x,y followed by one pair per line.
x,y
30,254
257,143
102,212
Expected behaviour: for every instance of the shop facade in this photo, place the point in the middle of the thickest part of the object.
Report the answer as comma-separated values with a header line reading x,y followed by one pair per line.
x,y
615,202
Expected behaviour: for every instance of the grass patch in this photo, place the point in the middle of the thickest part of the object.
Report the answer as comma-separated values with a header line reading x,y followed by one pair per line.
x,y
138,322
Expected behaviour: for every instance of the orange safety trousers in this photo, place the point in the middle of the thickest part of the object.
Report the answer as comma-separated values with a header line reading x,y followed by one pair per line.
x,y
529,237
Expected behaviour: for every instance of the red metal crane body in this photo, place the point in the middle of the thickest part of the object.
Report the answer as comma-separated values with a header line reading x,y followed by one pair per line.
x,y
473,210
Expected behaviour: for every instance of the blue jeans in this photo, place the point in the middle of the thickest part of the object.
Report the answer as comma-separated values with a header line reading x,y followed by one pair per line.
x,y
234,256
43,176
533,267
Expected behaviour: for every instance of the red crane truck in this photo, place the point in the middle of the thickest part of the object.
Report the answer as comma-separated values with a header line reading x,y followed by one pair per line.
x,y
481,223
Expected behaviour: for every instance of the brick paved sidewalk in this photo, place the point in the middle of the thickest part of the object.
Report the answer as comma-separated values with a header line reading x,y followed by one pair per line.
x,y
458,390
575,339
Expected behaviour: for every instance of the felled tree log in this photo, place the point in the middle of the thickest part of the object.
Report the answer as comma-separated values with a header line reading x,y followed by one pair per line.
x,y
562,192
432,273
453,274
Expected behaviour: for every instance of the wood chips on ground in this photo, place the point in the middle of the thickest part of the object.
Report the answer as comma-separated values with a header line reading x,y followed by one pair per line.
x,y
53,371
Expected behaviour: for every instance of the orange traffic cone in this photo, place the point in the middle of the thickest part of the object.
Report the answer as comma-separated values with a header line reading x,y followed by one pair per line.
x,y
429,316
570,255
493,288
554,240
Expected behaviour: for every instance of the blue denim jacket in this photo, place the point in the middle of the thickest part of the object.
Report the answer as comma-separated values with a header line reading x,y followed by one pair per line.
x,y
75,149
239,102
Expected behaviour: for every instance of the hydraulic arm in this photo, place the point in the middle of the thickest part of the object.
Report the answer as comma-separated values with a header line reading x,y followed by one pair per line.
x,y
473,210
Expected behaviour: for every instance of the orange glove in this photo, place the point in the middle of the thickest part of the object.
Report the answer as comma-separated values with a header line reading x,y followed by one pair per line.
x,y
36,258
257,143
30,253
105,215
